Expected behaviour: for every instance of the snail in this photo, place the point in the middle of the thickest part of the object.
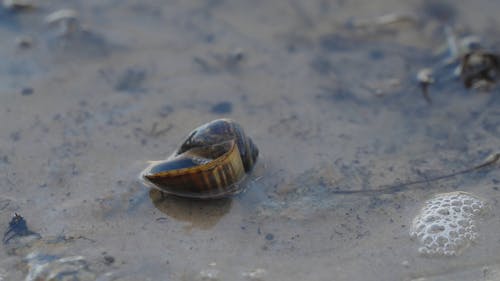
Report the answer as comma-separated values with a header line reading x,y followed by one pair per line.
x,y
210,163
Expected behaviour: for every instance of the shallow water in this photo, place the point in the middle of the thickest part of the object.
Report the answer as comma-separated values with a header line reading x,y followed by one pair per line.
x,y
328,96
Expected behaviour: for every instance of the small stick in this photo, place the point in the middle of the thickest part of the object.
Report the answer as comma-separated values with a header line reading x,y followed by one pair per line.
x,y
490,160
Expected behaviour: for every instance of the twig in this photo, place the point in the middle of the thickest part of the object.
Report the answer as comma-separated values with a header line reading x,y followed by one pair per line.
x,y
490,160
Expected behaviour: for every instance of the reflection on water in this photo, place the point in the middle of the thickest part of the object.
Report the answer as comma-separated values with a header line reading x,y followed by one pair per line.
x,y
47,267
202,214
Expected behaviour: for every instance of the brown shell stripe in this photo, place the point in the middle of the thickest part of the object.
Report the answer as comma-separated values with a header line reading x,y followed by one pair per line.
x,y
230,176
235,172
224,176
216,178
211,181
198,182
205,182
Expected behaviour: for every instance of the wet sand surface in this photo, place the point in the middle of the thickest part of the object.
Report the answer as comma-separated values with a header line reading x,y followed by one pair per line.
x,y
328,94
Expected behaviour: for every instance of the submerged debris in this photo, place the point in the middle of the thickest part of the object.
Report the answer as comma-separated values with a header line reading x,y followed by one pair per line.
x,y
50,267
219,62
66,20
18,5
457,47
27,91
475,66
70,35
386,20
441,11
224,107
480,70
257,274
131,81
24,42
17,228
469,43
425,78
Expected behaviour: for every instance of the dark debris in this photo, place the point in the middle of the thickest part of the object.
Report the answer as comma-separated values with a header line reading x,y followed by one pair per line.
x,y
480,69
131,81
269,236
17,228
224,107
109,260
28,91
221,62
322,65
443,11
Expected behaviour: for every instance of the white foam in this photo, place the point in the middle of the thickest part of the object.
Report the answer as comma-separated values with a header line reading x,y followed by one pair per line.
x,y
446,223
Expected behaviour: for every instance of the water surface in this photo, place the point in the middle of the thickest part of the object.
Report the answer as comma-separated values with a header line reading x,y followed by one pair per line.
x,y
328,94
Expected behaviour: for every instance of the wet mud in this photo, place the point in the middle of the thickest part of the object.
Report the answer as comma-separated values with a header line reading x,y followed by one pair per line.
x,y
327,90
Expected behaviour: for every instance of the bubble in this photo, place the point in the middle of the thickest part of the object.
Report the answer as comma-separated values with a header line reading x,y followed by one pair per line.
x,y
467,209
436,228
428,240
446,223
444,211
430,219
441,240
420,227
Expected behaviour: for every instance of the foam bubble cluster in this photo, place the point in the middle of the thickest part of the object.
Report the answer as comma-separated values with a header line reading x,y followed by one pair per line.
x,y
446,224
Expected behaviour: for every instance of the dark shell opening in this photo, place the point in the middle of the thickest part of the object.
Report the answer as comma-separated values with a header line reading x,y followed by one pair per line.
x,y
175,164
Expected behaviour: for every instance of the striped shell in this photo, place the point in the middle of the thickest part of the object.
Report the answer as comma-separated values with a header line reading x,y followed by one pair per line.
x,y
210,163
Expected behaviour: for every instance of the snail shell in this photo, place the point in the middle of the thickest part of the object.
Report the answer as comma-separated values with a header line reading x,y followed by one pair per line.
x,y
210,163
